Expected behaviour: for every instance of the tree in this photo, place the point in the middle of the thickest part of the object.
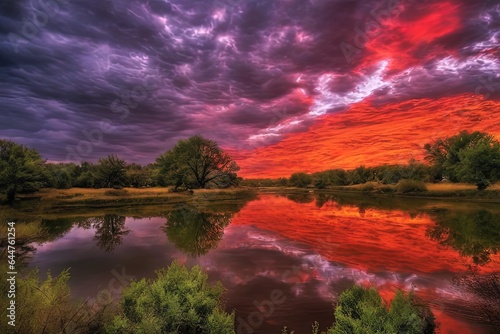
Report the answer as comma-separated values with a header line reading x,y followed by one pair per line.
x,y
111,172
21,169
197,162
480,163
139,176
300,180
466,157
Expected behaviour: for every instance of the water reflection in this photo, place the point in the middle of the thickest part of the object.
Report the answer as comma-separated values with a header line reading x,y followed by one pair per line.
x,y
334,240
109,229
475,234
194,232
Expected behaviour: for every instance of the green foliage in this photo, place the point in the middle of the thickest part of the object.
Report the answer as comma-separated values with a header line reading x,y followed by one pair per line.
x,y
47,307
466,157
139,176
85,176
21,169
110,172
178,301
59,175
410,186
300,180
480,163
363,311
197,162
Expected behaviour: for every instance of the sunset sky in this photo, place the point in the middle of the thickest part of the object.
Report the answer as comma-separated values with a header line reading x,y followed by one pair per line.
x,y
283,85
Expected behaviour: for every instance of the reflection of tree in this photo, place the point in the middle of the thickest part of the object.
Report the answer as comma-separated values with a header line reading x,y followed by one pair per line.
x,y
474,234
301,197
194,232
109,230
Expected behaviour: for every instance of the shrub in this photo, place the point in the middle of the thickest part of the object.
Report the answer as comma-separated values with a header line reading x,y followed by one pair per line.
x,y
300,180
178,301
47,307
409,186
116,192
362,310
368,187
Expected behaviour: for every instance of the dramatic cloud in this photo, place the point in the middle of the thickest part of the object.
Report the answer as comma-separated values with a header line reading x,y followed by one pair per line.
x,y
82,79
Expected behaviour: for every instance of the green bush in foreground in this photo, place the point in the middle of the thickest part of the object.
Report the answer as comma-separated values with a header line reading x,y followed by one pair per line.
x,y
362,310
47,307
178,301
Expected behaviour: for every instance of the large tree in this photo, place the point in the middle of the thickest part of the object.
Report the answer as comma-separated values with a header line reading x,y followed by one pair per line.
x,y
21,169
197,162
472,157
111,172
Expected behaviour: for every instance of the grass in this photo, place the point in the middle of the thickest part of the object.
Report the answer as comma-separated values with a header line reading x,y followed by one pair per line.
x,y
57,200
445,190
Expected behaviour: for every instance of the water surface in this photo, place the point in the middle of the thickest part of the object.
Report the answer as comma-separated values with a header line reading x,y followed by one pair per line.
x,y
285,259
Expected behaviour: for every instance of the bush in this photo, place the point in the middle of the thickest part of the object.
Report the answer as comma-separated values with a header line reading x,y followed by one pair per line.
x,y
300,180
362,310
178,301
47,307
368,187
116,192
410,186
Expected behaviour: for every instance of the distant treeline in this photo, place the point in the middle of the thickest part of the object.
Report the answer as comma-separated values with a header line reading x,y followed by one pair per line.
x,y
386,174
468,157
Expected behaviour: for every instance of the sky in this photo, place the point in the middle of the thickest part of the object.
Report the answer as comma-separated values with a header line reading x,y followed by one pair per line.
x,y
283,85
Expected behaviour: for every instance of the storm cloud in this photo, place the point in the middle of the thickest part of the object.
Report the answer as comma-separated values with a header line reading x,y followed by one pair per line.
x,y
82,79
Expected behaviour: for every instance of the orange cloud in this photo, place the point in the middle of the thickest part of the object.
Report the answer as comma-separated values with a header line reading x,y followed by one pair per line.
x,y
371,135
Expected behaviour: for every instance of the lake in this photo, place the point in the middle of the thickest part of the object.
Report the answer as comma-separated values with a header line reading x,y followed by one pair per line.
x,y
285,259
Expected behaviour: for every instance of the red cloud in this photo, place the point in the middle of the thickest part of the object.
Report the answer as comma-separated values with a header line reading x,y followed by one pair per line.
x,y
370,135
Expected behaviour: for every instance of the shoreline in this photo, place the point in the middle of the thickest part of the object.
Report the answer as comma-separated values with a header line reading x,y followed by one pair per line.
x,y
59,200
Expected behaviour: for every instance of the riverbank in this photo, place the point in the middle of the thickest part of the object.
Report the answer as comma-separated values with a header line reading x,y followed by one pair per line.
x,y
441,191
59,200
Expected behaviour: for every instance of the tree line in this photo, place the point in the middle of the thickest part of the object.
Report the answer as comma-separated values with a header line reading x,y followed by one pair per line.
x,y
197,162
468,157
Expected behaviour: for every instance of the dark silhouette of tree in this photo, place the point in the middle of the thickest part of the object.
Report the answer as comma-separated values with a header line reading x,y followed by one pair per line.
x,y
197,162
194,232
21,169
